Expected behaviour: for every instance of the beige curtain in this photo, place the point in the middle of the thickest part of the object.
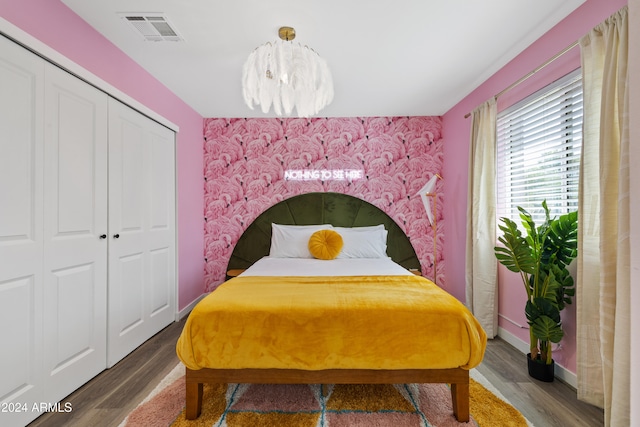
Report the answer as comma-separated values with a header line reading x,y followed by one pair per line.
x,y
603,279
481,263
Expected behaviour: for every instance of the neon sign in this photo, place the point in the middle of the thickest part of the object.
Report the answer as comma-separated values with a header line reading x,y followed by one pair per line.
x,y
323,174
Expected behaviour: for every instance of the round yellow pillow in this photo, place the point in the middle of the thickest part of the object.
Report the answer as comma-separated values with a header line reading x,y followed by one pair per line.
x,y
325,244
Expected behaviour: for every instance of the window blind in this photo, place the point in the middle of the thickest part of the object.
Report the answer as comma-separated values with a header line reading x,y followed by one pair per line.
x,y
538,151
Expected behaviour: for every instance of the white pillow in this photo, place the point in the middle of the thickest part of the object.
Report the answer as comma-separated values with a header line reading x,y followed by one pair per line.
x,y
292,241
363,242
363,228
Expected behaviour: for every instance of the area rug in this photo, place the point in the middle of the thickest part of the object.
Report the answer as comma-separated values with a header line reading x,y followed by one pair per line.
x,y
257,405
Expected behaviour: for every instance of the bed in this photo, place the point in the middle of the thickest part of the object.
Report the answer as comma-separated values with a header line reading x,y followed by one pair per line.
x,y
289,317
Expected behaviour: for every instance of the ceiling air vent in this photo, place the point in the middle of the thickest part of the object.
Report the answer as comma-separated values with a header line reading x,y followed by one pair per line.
x,y
152,26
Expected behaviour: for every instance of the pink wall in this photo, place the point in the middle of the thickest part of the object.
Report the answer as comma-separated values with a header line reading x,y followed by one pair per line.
x,y
456,133
246,163
58,27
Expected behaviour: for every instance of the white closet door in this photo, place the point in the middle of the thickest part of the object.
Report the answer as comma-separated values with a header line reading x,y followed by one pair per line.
x,y
21,147
141,229
75,227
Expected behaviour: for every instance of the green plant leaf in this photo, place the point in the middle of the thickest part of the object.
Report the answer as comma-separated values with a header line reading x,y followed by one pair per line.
x,y
544,319
514,253
561,245
546,287
565,286
545,329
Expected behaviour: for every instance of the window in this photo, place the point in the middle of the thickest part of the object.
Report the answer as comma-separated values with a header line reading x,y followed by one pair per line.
x,y
538,151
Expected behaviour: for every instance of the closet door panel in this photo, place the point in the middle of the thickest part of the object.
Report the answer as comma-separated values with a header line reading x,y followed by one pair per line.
x,y
21,357
161,271
161,236
129,275
141,205
21,240
129,179
21,79
75,227
127,253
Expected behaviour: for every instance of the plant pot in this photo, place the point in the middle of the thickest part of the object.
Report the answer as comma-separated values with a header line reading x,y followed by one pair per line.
x,y
540,370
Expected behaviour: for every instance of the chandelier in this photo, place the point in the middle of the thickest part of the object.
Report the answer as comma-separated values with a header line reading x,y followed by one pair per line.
x,y
287,75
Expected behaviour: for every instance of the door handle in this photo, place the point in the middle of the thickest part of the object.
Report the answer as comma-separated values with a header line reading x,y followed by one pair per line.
x,y
116,236
103,236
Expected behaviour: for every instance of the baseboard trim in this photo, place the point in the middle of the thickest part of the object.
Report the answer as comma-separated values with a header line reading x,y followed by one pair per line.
x,y
561,372
185,311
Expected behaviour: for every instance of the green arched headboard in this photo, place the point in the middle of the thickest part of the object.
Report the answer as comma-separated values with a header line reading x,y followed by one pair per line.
x,y
338,209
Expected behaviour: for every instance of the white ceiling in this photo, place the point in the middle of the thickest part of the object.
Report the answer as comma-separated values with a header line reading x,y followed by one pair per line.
x,y
388,58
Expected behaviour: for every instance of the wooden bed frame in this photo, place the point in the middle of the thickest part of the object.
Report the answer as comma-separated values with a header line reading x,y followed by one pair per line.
x,y
341,210
457,377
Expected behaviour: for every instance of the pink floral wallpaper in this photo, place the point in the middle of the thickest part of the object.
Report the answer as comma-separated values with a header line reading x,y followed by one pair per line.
x,y
251,164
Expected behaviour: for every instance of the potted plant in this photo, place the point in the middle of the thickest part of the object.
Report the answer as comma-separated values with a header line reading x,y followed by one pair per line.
x,y
541,257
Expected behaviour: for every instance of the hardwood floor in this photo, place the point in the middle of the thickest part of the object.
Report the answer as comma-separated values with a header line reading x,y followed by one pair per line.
x,y
109,397
106,400
544,404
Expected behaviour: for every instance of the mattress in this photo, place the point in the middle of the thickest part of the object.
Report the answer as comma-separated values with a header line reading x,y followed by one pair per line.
x,y
286,314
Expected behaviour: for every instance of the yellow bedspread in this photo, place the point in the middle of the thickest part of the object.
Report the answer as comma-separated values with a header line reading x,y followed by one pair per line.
x,y
313,323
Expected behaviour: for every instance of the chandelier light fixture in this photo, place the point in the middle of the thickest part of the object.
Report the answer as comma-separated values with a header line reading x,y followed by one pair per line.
x,y
287,75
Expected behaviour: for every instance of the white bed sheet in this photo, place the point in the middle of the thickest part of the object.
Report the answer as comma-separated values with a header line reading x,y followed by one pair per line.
x,y
269,266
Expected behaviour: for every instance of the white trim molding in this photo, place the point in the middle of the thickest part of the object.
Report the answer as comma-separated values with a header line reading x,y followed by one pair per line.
x,y
187,309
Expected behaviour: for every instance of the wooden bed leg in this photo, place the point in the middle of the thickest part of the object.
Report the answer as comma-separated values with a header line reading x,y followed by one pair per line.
x,y
194,400
460,399
324,390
